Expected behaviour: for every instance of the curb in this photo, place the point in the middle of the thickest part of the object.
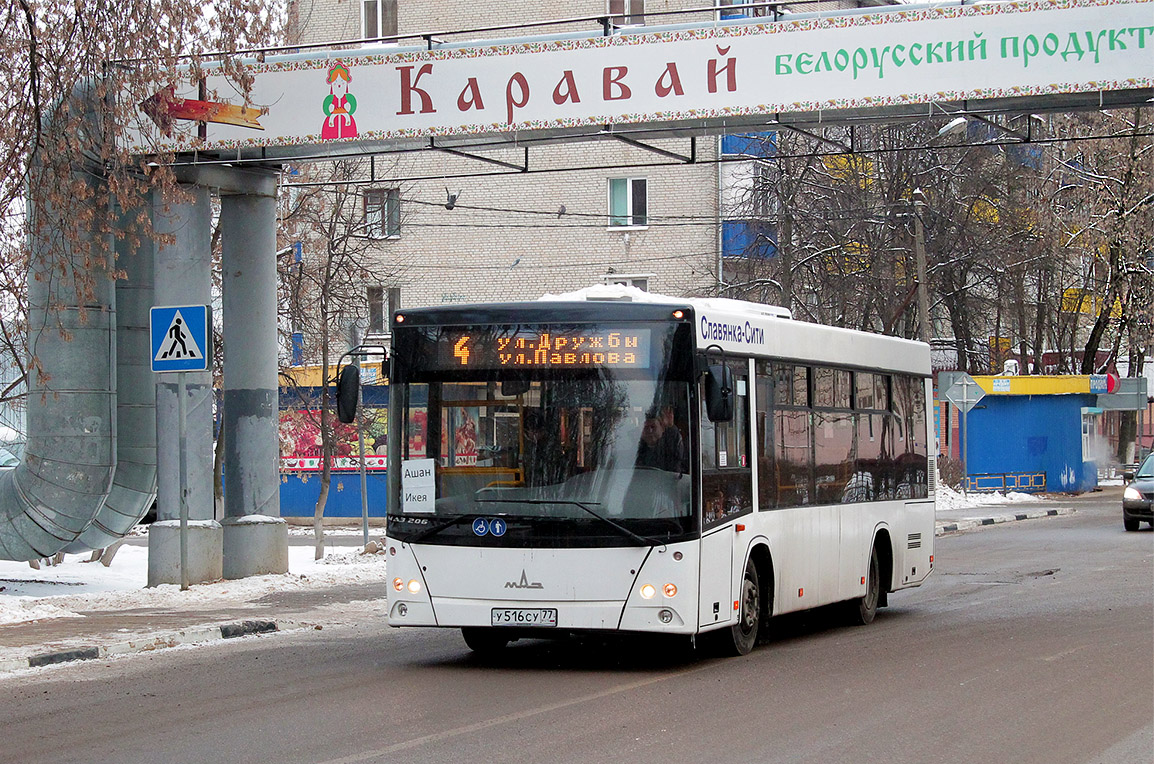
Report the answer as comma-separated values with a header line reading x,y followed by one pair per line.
x,y
942,528
158,641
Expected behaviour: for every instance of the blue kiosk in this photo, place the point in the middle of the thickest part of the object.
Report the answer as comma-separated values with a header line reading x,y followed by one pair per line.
x,y
1035,433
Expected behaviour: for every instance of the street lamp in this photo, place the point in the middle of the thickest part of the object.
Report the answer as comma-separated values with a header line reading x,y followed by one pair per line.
x,y
919,199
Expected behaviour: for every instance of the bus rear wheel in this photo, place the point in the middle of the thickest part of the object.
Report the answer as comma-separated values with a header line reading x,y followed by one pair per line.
x,y
484,640
743,634
863,610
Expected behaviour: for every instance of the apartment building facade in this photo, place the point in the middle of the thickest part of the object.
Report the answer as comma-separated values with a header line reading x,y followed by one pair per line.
x,y
665,216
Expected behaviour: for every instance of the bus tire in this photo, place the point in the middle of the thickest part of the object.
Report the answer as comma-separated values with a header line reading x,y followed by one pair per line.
x,y
863,610
484,640
743,634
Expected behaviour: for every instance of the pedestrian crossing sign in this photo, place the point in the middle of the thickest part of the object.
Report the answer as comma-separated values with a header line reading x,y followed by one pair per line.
x,y
181,338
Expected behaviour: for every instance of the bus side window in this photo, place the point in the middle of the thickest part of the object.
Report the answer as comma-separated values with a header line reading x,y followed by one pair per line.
x,y
791,423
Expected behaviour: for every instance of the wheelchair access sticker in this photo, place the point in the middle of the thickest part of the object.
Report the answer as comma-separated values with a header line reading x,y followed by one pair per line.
x,y
483,527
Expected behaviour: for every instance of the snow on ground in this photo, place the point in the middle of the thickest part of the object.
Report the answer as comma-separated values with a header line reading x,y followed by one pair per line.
x,y
948,499
20,609
58,591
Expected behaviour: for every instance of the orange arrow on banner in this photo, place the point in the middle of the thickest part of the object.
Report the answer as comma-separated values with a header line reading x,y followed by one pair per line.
x,y
164,107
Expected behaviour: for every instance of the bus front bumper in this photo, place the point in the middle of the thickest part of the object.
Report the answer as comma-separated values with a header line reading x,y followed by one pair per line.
x,y
541,616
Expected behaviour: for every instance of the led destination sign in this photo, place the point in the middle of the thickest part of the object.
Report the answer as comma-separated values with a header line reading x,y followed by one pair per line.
x,y
541,348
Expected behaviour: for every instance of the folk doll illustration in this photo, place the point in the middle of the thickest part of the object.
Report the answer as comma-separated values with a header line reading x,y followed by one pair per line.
x,y
339,105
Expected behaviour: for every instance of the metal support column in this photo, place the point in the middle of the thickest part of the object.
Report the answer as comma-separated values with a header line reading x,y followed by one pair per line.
x,y
255,536
183,276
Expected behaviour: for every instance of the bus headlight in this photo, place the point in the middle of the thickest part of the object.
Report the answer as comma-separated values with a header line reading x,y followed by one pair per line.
x,y
414,587
649,591
398,584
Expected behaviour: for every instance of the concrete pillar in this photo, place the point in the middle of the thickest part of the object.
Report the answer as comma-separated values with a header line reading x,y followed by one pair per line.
x,y
183,276
255,536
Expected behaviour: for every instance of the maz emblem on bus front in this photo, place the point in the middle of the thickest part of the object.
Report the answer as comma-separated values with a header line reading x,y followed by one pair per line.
x,y
524,583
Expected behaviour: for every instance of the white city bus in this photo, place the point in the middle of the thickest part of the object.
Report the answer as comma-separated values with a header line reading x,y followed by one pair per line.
x,y
618,461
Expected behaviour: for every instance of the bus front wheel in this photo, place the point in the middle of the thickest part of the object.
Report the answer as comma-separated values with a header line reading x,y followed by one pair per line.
x,y
743,634
484,640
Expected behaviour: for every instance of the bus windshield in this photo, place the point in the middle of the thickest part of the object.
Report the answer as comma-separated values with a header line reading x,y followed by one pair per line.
x,y
543,449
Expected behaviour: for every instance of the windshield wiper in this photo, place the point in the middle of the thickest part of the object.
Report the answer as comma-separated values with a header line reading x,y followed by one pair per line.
x,y
643,540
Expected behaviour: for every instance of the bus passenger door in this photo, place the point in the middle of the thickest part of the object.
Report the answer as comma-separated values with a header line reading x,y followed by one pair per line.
x,y
716,576
727,496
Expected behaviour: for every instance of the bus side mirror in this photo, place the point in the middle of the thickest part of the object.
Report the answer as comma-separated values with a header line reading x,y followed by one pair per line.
x,y
719,394
348,390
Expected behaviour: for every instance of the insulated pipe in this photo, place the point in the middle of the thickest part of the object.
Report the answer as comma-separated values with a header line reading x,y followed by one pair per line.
x,y
61,484
134,482
89,467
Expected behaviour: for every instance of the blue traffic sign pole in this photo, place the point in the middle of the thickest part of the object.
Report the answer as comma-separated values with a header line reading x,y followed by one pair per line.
x,y
181,343
964,394
183,427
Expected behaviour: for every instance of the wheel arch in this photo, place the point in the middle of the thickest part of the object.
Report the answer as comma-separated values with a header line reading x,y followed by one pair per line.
x,y
884,544
760,555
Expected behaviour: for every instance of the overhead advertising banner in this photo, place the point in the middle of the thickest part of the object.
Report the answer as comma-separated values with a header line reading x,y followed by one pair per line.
x,y
990,50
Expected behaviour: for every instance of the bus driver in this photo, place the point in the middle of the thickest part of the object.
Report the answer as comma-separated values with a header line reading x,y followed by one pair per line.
x,y
661,446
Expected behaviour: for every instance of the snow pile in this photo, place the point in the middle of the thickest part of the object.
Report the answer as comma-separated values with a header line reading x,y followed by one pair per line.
x,y
20,610
949,499
74,586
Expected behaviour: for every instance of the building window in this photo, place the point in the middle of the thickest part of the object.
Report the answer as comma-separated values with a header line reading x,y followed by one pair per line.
x,y
641,281
378,18
763,200
632,10
740,13
748,238
376,299
628,203
383,213
757,145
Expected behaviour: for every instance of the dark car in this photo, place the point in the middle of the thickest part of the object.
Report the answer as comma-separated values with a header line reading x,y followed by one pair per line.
x,y
1136,501
8,460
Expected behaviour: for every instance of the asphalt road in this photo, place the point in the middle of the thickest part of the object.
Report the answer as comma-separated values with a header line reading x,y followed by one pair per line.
x,y
1032,642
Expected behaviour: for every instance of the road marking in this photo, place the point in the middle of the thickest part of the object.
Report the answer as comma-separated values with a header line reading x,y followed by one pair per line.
x,y
499,720
1064,653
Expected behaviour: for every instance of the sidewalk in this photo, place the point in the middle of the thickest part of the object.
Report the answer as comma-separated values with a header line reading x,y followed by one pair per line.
x,y
350,589
115,614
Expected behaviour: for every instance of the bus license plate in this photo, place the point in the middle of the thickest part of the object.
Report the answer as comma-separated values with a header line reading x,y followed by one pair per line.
x,y
508,616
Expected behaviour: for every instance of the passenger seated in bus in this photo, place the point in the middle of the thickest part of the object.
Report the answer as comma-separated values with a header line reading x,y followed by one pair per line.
x,y
661,446
673,438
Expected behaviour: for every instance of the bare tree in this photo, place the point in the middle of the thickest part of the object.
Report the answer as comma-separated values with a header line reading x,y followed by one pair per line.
x,y
71,95
323,293
1014,232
